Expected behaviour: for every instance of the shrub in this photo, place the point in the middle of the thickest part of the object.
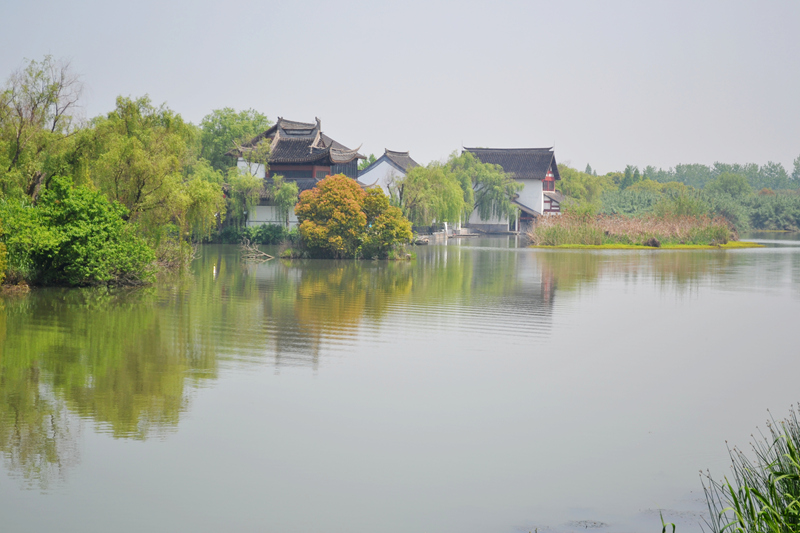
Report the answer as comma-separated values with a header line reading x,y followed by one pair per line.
x,y
734,185
230,235
263,234
3,254
267,234
681,205
74,236
629,202
779,211
386,226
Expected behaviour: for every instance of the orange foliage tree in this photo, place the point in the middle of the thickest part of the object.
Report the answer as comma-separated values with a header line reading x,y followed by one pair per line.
x,y
339,219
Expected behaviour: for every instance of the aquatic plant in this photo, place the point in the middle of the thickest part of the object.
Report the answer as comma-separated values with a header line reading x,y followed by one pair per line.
x,y
762,494
647,230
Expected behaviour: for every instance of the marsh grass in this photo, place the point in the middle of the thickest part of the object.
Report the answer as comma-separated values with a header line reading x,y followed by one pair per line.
x,y
650,230
763,493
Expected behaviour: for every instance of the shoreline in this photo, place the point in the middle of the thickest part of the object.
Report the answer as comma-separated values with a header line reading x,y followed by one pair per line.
x,y
733,245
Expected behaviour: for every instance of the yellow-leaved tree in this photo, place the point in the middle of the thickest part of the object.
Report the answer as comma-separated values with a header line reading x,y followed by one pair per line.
x,y
339,219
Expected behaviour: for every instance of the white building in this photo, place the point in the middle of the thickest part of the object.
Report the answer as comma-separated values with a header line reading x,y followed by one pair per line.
x,y
536,169
386,169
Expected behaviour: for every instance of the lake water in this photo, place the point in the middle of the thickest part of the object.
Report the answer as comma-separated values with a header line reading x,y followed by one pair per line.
x,y
479,388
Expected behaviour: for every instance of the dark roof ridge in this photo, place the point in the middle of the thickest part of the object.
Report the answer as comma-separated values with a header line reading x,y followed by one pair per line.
x,y
520,163
550,149
399,160
295,125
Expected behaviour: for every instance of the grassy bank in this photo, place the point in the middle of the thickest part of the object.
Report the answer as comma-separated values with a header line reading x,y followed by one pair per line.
x,y
732,245
617,231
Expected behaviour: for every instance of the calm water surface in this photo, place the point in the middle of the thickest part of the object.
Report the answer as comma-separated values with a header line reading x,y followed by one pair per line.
x,y
479,388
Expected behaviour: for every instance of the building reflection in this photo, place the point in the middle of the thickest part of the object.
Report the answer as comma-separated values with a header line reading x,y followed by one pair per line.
x,y
126,361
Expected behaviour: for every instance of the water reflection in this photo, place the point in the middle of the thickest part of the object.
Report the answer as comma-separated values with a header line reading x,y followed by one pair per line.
x,y
128,360
679,270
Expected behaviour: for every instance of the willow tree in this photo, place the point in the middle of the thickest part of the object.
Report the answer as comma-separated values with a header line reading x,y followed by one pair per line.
x,y
37,107
487,188
284,195
138,155
431,194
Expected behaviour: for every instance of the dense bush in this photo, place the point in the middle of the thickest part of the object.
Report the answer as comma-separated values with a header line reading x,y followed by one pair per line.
x,y
263,234
775,211
742,210
629,202
339,219
74,236
3,254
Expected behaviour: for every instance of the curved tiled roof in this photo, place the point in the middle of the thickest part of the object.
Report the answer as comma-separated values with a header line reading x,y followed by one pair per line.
x,y
301,142
288,150
521,163
400,160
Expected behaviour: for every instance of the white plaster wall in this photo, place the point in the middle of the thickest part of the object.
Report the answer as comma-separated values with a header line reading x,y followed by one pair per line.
x,y
268,214
531,195
381,174
475,218
255,169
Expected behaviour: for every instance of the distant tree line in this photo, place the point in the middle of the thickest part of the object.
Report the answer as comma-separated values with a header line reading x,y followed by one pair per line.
x,y
749,196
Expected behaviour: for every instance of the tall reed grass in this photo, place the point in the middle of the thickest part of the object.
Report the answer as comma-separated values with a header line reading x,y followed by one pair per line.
x,y
648,230
762,494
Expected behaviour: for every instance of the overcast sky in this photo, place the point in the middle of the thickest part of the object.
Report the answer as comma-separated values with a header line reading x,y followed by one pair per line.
x,y
609,83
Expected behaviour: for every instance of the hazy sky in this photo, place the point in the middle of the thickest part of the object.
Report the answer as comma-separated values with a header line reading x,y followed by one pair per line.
x,y
609,83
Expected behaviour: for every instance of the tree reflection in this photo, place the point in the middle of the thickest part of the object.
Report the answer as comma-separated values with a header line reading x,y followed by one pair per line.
x,y
127,360
573,269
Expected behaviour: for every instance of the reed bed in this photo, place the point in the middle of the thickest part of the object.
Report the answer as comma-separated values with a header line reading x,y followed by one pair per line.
x,y
763,494
648,230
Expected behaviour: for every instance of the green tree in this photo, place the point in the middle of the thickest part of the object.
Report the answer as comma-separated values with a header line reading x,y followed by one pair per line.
x,y
734,185
339,219
694,175
142,156
796,171
588,169
226,129
136,156
284,194
487,188
773,176
36,117
366,162
630,176
244,193
205,205
386,226
428,194
646,185
582,186
75,236
748,170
